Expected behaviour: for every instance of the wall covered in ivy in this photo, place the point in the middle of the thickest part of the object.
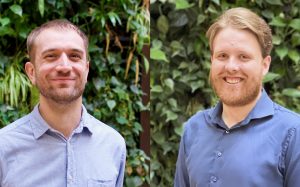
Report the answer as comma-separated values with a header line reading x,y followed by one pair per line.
x,y
117,32
180,63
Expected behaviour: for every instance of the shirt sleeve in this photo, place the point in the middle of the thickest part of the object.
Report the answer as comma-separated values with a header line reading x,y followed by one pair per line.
x,y
292,158
181,174
120,178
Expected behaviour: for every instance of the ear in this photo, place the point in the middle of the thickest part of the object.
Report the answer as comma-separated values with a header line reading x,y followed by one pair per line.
x,y
266,64
30,71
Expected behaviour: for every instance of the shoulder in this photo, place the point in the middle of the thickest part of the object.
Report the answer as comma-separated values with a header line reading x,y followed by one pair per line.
x,y
14,127
286,116
100,129
10,134
198,120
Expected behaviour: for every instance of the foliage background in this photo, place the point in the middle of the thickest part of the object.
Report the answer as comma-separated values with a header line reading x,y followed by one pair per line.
x,y
180,62
117,30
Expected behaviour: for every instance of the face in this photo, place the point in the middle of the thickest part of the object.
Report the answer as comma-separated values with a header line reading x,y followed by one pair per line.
x,y
60,67
237,67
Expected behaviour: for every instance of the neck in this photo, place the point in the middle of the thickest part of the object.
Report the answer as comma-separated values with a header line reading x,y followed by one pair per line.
x,y
61,117
234,114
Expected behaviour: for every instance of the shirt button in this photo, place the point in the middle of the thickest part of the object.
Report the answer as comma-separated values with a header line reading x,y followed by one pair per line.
x,y
213,179
227,132
219,154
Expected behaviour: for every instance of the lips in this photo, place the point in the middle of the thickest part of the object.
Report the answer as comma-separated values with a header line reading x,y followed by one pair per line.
x,y
232,80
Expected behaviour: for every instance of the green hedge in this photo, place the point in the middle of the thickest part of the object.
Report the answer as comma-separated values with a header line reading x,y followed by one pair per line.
x,y
181,60
117,31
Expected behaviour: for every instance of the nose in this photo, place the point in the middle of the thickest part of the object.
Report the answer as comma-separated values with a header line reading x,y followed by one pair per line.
x,y
63,64
232,65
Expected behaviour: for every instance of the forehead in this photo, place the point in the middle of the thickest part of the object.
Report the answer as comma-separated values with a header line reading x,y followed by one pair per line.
x,y
53,38
228,38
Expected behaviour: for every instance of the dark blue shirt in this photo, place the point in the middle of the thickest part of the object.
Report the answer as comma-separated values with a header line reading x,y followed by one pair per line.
x,y
263,150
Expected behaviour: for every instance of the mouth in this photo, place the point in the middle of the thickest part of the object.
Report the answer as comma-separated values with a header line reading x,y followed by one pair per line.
x,y
232,80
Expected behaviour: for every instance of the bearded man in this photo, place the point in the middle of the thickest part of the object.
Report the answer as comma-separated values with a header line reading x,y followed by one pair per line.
x,y
246,140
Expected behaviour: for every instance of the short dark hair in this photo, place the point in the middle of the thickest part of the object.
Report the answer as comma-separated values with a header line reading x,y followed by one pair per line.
x,y
62,24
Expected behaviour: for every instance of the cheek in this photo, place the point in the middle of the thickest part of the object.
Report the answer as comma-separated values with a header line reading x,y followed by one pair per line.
x,y
81,70
216,67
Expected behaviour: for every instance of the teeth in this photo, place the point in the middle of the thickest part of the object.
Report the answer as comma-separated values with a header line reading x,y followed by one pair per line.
x,y
232,80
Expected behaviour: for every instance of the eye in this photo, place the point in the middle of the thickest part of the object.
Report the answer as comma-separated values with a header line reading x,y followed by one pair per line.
x,y
244,57
75,57
51,56
222,56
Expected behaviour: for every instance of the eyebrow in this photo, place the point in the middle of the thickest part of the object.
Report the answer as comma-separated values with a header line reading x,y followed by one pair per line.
x,y
54,49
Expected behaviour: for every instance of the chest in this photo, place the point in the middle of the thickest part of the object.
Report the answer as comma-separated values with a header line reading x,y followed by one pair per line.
x,y
234,158
58,163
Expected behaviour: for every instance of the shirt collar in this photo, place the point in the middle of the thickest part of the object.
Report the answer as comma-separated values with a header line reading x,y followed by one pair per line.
x,y
263,108
40,126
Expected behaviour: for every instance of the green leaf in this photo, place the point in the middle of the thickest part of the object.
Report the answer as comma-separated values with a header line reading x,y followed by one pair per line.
x,y
296,39
158,137
172,102
200,19
281,52
295,24
111,104
157,54
169,83
41,6
291,92
276,40
274,2
197,84
166,147
271,76
113,17
179,130
216,1
156,44
133,181
121,120
146,64
268,13
278,21
7,31
171,116
294,55
163,24
4,21
183,4
157,89
176,73
17,9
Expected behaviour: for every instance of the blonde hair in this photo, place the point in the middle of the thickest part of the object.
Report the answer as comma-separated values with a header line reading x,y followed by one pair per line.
x,y
56,24
242,18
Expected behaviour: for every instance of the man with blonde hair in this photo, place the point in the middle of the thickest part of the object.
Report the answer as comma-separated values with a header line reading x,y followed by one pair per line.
x,y
246,140
59,144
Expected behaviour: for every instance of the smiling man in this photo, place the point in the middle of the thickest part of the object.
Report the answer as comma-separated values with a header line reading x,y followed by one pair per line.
x,y
246,140
59,143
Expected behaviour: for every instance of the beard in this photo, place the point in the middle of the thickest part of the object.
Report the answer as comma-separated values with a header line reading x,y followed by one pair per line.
x,y
63,94
239,95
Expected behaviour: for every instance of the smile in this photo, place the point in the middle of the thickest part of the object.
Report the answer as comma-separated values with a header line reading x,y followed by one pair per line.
x,y
232,80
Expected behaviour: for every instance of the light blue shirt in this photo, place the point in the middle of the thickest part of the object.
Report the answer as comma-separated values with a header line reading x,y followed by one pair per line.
x,y
32,154
263,150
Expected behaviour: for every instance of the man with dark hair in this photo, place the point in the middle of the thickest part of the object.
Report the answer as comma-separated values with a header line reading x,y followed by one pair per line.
x,y
246,140
59,143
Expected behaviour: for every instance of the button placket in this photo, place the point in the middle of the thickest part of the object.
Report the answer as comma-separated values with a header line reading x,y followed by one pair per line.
x,y
213,179
70,164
